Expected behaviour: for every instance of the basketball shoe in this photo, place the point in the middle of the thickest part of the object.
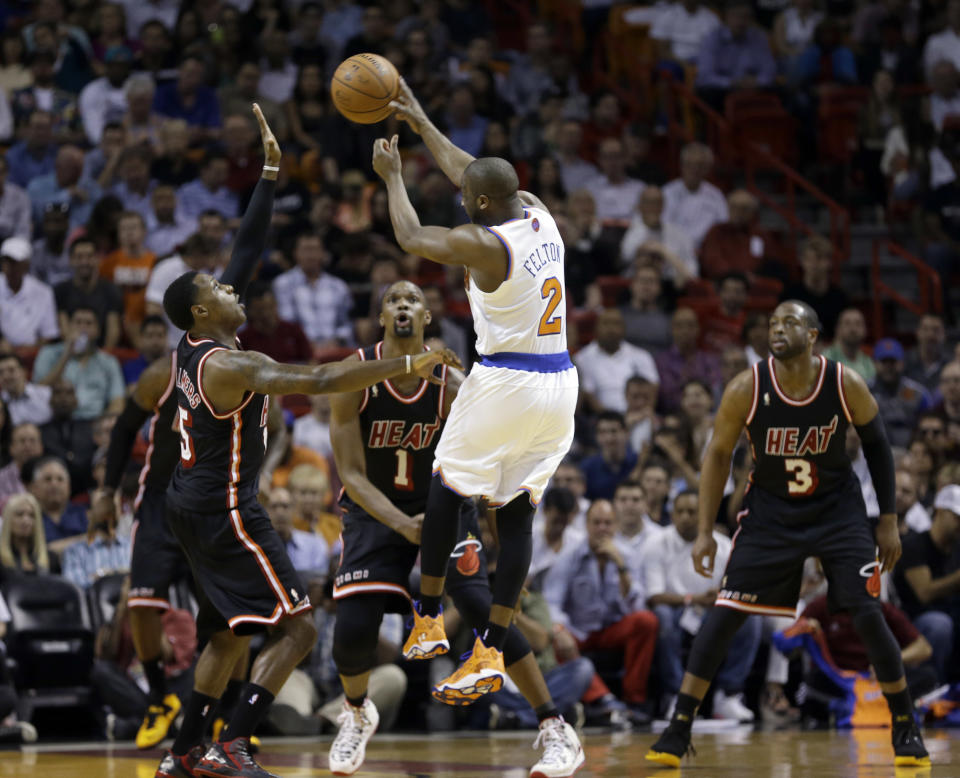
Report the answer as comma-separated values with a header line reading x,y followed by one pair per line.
x,y
230,760
157,721
481,673
180,766
673,744
357,726
427,637
562,753
908,747
219,725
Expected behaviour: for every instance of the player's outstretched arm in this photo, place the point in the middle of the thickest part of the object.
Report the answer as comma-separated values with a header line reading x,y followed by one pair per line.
x,y
727,426
452,159
252,234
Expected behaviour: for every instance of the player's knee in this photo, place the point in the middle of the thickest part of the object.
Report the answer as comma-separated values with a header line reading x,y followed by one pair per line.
x,y
301,629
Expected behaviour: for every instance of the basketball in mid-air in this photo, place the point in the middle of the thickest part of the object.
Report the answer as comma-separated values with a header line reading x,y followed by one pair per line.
x,y
363,87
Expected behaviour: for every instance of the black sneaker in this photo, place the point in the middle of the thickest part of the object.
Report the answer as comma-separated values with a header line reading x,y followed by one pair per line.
x,y
908,748
673,744
180,766
231,760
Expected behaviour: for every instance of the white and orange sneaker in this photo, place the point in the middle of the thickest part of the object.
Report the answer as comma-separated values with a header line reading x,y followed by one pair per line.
x,y
482,673
427,638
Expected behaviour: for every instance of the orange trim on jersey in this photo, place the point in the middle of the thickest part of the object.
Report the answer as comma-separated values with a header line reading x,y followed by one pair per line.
x,y
766,610
369,586
203,396
142,480
806,400
526,489
254,619
439,471
235,456
193,342
236,520
148,602
406,399
443,392
843,394
366,390
756,392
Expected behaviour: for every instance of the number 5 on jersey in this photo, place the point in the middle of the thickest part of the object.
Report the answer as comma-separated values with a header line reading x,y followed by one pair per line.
x,y
550,324
187,455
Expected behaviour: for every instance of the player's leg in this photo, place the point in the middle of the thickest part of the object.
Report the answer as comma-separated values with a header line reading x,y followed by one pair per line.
x,y
231,695
441,528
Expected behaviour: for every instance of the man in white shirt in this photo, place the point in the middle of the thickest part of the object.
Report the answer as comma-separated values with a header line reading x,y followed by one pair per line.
x,y
945,99
615,194
692,202
27,403
911,515
575,171
28,311
278,74
166,228
945,44
608,362
196,254
648,230
104,99
634,527
680,597
312,430
680,28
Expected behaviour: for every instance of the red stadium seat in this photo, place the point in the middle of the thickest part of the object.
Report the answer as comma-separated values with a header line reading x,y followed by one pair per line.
x,y
839,115
612,288
761,118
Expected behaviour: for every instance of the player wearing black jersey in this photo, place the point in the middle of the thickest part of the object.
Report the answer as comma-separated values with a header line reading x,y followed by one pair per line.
x,y
245,579
384,440
803,500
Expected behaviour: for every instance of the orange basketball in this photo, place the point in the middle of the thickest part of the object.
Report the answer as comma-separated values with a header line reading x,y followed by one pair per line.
x,y
363,87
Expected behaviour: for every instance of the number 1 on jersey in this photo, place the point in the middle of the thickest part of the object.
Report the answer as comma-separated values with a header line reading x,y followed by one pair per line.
x,y
551,326
403,480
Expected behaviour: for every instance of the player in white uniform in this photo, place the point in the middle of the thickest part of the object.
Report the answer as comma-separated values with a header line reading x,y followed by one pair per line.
x,y
512,421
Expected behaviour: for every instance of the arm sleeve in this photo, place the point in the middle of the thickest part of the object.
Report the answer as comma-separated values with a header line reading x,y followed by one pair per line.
x,y
251,237
124,433
876,449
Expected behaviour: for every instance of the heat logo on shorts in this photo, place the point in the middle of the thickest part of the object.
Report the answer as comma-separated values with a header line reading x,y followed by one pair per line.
x,y
871,571
466,552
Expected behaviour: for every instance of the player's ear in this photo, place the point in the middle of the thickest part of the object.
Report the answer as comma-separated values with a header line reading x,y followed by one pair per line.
x,y
380,319
199,311
483,201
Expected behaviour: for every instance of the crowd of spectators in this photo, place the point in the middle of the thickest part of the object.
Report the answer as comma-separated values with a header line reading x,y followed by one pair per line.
x,y
131,151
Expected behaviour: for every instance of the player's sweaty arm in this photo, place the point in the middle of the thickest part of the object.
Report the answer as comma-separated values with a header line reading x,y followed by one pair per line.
x,y
729,422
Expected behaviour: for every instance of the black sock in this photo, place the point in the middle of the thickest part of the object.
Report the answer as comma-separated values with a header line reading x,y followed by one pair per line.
x,y
228,704
686,709
901,706
546,711
494,636
357,702
255,701
428,605
157,679
199,707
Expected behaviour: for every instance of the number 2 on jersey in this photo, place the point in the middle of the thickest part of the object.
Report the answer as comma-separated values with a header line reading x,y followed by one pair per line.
x,y
186,443
804,479
551,326
403,480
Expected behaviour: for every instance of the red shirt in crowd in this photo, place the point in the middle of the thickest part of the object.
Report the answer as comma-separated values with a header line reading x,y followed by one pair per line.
x,y
287,343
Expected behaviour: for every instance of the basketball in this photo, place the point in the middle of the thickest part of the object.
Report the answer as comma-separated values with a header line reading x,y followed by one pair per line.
x,y
363,87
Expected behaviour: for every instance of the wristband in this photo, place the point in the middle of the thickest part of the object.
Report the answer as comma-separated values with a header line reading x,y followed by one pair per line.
x,y
408,363
272,168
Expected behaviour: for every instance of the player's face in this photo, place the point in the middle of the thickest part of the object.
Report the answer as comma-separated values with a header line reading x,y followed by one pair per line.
x,y
788,332
222,303
684,517
404,312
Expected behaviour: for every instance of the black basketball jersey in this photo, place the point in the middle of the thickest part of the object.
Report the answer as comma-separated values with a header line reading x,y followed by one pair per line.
x,y
400,434
220,453
163,446
799,446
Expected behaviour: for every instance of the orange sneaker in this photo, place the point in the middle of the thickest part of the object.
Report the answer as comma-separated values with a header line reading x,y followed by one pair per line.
x,y
427,637
482,673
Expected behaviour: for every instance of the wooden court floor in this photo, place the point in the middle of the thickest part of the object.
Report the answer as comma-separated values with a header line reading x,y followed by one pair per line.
x,y
738,753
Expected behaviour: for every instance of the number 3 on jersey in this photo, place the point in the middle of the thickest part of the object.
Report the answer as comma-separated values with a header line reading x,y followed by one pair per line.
x,y
187,455
804,479
550,324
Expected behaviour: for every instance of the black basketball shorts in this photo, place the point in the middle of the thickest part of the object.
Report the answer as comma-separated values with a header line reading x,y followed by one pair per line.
x,y
245,580
156,560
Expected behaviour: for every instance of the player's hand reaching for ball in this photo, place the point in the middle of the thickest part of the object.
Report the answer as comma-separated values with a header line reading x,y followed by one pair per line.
x,y
271,149
704,552
423,364
386,157
408,108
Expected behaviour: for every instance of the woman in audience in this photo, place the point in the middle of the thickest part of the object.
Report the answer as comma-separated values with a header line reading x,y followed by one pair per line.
x,y
696,411
674,443
920,462
23,546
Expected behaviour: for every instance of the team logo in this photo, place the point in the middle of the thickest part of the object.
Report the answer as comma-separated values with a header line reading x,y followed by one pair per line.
x,y
536,225
467,556
871,571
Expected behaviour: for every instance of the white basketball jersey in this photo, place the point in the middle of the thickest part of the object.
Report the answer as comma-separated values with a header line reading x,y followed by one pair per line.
x,y
528,311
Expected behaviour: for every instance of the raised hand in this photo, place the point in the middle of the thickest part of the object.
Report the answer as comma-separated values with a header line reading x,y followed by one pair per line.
x,y
386,157
408,108
423,364
271,149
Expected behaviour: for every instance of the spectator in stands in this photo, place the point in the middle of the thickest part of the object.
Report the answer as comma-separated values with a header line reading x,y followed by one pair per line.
x,y
616,195
167,227
878,117
606,121
28,314
95,373
209,192
734,56
135,188
900,398
101,163
553,533
575,171
25,402
570,476
104,99
129,268
646,323
680,598
278,73
319,302
312,430
266,332
847,348
23,548
825,59
529,79
680,29
307,551
237,97
188,98
925,361
891,53
140,121
50,261
941,219
911,515
738,245
64,523
103,553
373,36
25,444
649,230
245,160
690,201
86,289
815,287
696,412
945,45
465,127
69,438
172,165
15,215
641,417
932,427
593,596
948,407
195,254
793,29
756,338
655,480
615,459
606,364
155,57
309,487
944,99
152,345
44,94
927,578
634,527
65,185
33,156
13,73
684,360
725,325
